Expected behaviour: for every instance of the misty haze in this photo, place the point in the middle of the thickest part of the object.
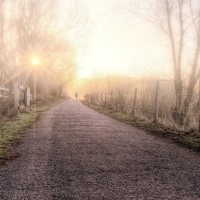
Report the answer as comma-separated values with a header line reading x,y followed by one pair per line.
x,y
99,99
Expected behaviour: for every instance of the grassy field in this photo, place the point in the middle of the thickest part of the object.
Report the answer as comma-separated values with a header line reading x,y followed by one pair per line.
x,y
12,131
189,139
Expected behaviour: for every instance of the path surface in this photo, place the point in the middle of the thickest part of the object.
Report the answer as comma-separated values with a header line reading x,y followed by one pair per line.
x,y
73,152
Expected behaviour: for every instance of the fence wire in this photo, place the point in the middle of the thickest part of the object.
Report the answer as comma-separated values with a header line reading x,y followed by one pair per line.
x,y
140,100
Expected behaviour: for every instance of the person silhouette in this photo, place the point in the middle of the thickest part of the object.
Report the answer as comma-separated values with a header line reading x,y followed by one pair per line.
x,y
76,95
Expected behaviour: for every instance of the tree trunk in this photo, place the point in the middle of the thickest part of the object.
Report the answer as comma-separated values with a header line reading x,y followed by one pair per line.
x,y
176,62
60,87
192,82
177,109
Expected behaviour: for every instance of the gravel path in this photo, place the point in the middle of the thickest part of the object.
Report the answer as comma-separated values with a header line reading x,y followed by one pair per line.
x,y
73,152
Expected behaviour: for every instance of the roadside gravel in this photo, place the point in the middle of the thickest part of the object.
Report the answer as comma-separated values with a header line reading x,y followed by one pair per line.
x,y
73,152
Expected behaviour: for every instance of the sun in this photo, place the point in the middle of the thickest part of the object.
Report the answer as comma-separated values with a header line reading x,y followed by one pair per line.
x,y
35,61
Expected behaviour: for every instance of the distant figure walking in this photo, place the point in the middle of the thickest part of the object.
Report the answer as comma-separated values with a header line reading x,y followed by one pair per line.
x,y
76,95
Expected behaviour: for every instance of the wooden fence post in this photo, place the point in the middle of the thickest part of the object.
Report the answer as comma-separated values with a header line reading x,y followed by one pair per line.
x,y
112,98
27,96
4,99
156,102
135,98
34,89
105,99
16,97
101,99
199,102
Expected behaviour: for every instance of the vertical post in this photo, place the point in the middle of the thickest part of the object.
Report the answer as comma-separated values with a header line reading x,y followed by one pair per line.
x,y
16,97
199,101
101,99
34,93
31,101
156,102
27,96
4,99
112,99
120,101
135,98
111,94
105,99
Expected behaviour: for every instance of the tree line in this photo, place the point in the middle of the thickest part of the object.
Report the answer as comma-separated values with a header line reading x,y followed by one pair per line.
x,y
52,31
179,23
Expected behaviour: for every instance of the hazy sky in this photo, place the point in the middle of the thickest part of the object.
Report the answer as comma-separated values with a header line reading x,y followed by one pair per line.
x,y
119,45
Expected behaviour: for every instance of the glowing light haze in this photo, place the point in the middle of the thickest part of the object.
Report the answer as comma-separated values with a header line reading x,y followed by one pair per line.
x,y
119,45
35,61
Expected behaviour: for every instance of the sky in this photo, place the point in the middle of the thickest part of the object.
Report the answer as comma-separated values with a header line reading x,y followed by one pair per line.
x,y
119,45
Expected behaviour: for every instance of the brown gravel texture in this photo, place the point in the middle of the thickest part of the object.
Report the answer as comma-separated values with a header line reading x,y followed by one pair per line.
x,y
74,152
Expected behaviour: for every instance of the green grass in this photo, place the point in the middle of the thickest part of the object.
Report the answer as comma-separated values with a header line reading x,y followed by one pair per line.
x,y
190,139
12,131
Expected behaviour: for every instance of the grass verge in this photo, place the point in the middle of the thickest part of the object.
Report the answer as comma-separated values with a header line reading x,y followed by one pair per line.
x,y
12,131
190,139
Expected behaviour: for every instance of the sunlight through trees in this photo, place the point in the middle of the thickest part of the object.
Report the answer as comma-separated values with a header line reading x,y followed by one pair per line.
x,y
46,34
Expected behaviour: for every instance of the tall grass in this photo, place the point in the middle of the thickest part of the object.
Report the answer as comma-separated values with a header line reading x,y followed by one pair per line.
x,y
118,94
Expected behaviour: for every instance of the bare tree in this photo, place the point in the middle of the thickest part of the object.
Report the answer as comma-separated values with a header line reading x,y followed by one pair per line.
x,y
179,20
51,30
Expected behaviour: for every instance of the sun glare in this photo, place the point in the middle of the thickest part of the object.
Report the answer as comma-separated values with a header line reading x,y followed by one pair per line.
x,y
35,61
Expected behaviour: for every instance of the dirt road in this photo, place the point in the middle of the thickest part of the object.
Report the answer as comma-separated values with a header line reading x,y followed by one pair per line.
x,y
73,152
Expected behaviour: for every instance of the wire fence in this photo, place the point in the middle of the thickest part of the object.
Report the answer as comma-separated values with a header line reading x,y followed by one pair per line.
x,y
155,101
